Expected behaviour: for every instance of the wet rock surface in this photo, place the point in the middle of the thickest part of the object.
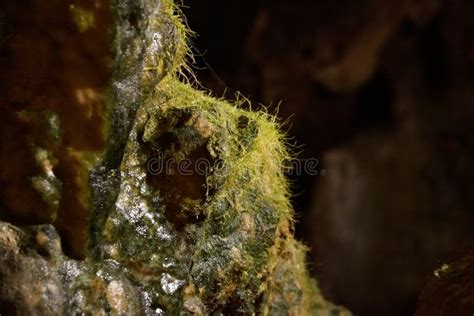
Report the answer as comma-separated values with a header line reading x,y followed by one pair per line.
x,y
380,92
232,250
211,232
38,279
200,239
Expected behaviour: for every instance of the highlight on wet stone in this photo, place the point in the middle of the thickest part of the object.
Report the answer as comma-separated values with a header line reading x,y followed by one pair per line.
x,y
92,91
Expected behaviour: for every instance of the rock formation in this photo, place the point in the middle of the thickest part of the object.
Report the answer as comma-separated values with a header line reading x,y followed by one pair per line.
x,y
166,200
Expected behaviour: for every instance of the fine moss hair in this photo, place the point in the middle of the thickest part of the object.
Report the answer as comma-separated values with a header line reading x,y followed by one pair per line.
x,y
232,243
257,147
256,151
248,182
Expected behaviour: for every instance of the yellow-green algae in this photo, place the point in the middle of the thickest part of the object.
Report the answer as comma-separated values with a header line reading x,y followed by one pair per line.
x,y
227,249
218,242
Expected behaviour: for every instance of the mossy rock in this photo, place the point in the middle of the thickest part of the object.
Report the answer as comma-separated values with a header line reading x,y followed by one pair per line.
x,y
190,210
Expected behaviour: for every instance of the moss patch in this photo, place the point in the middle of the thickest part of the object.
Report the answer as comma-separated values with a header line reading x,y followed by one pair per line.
x,y
212,239
210,236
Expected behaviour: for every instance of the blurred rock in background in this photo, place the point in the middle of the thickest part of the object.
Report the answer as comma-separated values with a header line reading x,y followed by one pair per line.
x,y
449,291
381,92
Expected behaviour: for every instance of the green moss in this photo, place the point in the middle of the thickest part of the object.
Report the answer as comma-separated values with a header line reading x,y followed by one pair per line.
x,y
208,242
249,145
165,56
212,238
223,237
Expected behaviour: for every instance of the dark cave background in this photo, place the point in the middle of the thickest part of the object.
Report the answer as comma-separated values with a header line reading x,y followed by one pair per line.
x,y
381,93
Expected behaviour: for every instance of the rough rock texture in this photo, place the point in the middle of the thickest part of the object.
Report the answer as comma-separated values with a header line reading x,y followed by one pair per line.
x,y
212,235
190,209
381,91
38,279
215,242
